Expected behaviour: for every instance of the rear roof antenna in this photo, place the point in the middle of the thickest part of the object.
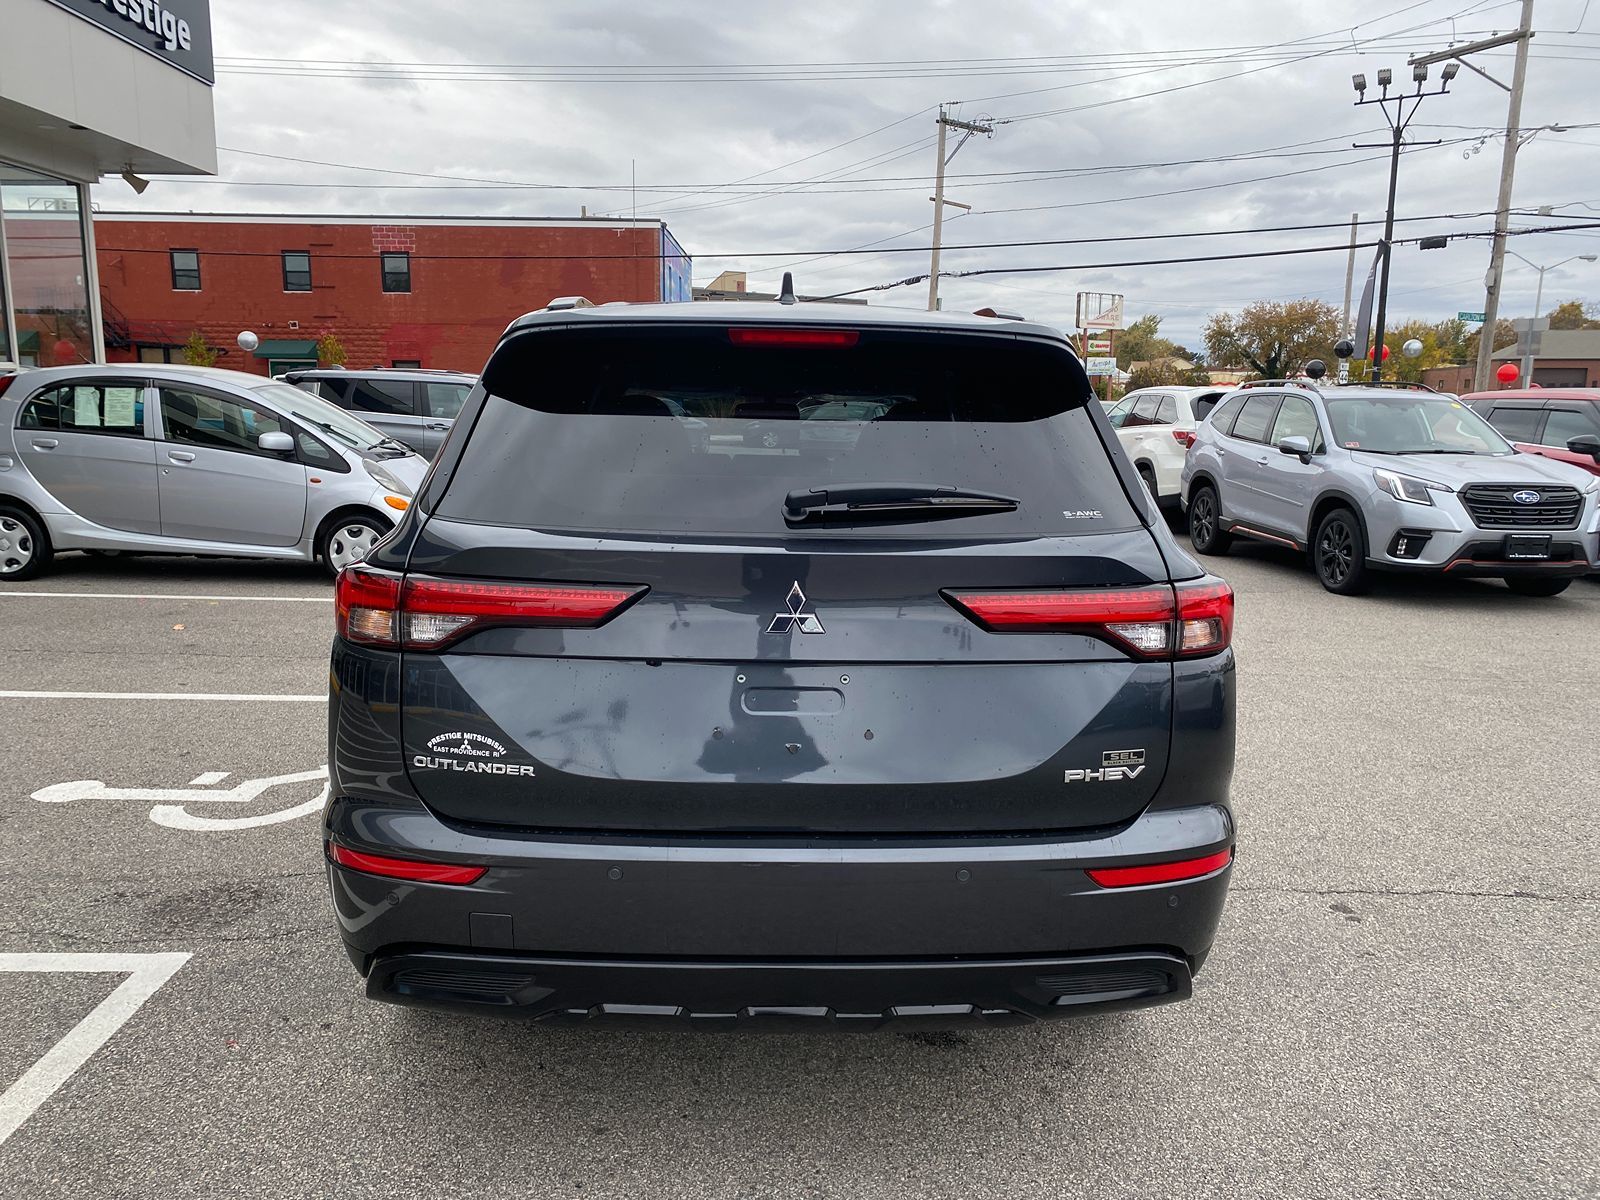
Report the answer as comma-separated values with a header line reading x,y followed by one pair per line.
x,y
786,292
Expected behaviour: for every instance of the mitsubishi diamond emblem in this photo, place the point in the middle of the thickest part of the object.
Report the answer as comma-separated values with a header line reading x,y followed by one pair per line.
x,y
796,601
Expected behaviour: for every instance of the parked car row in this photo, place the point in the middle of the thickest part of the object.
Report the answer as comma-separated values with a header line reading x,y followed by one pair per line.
x,y
154,458
1156,427
1401,479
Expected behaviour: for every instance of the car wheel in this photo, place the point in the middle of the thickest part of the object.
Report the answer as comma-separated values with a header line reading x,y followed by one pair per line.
x,y
1149,478
1538,585
1205,528
350,539
24,545
1339,554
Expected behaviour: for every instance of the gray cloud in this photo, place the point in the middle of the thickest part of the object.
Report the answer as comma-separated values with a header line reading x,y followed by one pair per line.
x,y
707,132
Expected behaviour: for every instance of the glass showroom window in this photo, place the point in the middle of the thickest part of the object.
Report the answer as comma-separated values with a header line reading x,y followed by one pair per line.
x,y
46,268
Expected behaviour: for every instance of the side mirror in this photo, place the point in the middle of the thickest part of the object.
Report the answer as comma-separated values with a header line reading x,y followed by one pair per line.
x,y
1585,443
1298,446
276,443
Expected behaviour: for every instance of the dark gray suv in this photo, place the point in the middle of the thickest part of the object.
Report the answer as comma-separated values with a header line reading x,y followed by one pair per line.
x,y
915,715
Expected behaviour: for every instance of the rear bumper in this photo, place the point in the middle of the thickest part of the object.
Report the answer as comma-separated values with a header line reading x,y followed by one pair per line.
x,y
719,930
737,995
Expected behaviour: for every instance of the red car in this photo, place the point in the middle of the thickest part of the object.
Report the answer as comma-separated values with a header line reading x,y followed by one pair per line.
x,y
1558,423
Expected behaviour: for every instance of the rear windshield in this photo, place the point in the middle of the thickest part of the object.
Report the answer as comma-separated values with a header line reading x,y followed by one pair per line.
x,y
673,431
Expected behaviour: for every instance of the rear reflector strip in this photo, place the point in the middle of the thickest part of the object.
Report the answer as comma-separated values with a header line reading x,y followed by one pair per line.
x,y
404,868
794,337
1167,872
424,613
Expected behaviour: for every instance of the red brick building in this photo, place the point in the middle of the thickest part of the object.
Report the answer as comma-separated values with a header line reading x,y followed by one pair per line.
x,y
401,291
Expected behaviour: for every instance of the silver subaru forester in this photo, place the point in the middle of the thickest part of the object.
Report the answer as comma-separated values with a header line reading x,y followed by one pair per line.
x,y
1386,479
155,458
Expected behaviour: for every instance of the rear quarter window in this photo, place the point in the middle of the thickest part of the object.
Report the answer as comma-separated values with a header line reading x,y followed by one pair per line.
x,y
681,432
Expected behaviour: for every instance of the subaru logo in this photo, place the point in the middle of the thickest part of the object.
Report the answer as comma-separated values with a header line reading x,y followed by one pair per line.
x,y
1526,496
796,604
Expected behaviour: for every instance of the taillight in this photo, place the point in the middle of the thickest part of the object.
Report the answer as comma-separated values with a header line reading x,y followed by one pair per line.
x,y
1151,622
794,337
5,382
1205,617
423,613
1184,437
404,868
1166,872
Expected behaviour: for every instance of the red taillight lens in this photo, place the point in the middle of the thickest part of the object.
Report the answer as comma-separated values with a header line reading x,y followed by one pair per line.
x,y
365,604
404,868
1136,619
1150,622
794,337
435,611
1167,872
1184,437
5,382
376,608
1205,617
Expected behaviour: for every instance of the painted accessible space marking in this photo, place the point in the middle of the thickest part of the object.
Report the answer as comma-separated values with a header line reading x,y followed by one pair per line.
x,y
145,975
265,698
172,596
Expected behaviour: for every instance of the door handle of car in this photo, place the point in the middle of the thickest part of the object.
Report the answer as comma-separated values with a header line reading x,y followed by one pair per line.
x,y
45,443
439,426
180,455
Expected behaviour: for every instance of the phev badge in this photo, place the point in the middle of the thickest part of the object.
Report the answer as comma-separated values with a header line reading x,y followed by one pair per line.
x,y
784,622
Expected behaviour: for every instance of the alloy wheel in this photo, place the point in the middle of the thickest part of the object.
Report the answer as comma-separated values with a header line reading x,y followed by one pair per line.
x,y
1335,552
1203,517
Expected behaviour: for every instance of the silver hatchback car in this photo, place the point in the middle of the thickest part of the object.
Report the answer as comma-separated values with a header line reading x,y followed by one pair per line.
x,y
1382,479
189,460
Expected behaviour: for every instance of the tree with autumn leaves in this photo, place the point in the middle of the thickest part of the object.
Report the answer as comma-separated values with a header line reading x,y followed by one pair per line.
x,y
1274,339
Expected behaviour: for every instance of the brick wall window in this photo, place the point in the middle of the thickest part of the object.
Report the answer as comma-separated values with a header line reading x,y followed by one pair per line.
x,y
396,272
186,270
296,271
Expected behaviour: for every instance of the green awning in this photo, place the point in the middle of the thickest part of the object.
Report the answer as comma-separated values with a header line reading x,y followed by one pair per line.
x,y
28,341
282,348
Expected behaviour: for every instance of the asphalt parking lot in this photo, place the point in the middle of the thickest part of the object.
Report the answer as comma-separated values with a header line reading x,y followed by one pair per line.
x,y
1402,1001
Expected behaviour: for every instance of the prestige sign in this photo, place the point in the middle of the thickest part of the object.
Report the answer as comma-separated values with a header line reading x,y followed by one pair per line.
x,y
176,31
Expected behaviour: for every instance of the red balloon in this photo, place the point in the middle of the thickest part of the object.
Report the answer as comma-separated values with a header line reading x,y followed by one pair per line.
x,y
1374,354
1506,373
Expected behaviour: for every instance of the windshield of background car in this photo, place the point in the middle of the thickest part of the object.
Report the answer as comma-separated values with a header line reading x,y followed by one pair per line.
x,y
346,430
679,429
1409,423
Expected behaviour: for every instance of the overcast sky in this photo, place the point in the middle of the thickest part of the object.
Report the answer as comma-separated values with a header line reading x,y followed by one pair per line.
x,y
1142,83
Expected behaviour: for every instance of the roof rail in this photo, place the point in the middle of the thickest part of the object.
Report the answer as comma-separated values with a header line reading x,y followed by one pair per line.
x,y
561,302
1307,384
1398,383
1000,314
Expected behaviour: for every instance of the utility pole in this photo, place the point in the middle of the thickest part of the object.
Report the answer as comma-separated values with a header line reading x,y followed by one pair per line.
x,y
1397,124
968,128
1508,170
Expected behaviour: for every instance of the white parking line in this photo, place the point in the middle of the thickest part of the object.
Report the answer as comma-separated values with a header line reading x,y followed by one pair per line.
x,y
146,973
171,596
265,699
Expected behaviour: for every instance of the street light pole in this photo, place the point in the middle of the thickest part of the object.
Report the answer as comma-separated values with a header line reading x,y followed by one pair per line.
x,y
1397,124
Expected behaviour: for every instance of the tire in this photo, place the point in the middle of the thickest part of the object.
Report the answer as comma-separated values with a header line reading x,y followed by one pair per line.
x,y
1538,585
348,539
1149,478
1339,554
1205,529
24,545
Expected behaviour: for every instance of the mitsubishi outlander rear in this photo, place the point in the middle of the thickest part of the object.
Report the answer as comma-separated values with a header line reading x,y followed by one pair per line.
x,y
760,663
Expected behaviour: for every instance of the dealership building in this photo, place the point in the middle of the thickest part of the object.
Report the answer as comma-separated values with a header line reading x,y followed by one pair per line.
x,y
88,88
432,292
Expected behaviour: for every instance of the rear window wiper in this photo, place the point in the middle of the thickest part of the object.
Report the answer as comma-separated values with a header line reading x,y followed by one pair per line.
x,y
865,501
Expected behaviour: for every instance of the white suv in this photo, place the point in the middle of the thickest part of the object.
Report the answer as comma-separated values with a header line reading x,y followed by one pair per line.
x,y
1156,428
